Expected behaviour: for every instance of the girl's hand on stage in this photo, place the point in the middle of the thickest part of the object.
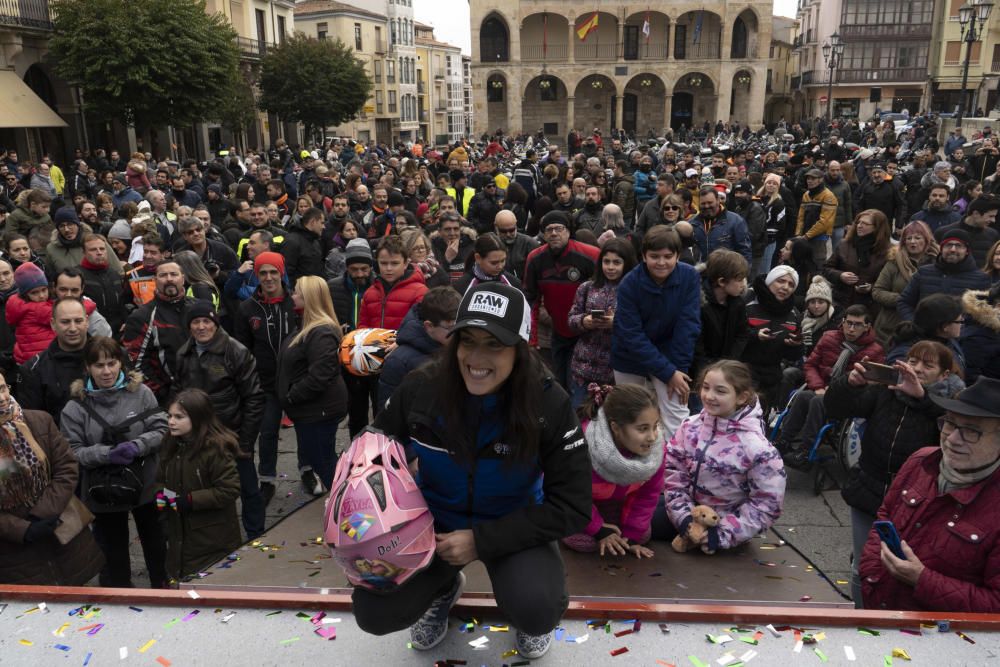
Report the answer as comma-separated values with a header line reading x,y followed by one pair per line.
x,y
614,544
640,551
457,547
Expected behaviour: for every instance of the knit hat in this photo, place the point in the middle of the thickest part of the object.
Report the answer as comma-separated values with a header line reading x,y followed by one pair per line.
x,y
120,178
272,258
957,234
358,252
819,289
121,230
396,198
66,214
779,271
201,308
28,277
216,188
422,209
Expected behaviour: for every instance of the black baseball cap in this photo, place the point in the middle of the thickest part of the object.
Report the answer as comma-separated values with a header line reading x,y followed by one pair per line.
x,y
497,308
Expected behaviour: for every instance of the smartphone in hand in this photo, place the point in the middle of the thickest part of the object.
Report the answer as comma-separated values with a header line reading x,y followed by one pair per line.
x,y
598,314
887,533
880,373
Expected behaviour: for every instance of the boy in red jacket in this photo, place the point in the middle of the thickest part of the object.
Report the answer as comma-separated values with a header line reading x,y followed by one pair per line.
x,y
399,285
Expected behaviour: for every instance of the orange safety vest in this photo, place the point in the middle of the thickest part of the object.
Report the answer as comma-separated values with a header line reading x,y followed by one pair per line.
x,y
143,287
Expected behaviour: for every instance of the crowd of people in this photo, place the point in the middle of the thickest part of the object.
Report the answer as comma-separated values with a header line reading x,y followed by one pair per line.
x,y
162,320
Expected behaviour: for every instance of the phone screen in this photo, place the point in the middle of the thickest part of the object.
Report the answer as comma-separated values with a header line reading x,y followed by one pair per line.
x,y
887,533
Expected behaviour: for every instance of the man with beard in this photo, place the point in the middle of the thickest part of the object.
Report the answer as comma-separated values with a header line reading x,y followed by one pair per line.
x,y
181,194
155,331
715,227
938,212
841,189
217,257
66,249
519,245
589,217
378,205
979,225
339,214
953,272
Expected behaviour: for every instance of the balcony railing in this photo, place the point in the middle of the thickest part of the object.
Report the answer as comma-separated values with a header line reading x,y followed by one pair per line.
x,y
703,50
810,77
30,14
379,46
440,107
914,74
886,31
647,51
554,53
252,49
596,51
995,66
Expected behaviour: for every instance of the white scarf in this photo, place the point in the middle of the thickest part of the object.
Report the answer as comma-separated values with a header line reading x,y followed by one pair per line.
x,y
608,461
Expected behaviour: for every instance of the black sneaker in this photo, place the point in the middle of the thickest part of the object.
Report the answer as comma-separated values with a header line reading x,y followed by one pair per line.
x,y
797,459
312,483
432,627
267,492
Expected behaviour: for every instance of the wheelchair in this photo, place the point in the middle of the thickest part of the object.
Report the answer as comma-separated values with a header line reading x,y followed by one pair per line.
x,y
837,442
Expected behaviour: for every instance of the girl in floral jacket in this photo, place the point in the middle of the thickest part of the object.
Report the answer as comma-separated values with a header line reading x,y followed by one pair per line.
x,y
722,459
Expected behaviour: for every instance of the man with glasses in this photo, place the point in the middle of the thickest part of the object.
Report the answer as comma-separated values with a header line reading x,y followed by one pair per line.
x,y
980,218
944,503
834,355
552,274
715,227
218,258
953,272
519,245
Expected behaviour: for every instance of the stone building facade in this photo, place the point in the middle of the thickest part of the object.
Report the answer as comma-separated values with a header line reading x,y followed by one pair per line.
x,y
639,69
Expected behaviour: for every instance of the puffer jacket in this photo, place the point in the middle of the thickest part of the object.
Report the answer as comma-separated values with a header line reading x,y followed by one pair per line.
x,y
980,339
211,530
415,346
227,372
303,253
87,438
309,383
385,306
347,298
32,324
508,506
822,359
729,465
940,278
953,534
644,186
591,360
46,562
897,425
22,220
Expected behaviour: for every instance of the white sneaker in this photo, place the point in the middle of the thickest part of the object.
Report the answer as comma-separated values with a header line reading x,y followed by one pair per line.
x,y
532,647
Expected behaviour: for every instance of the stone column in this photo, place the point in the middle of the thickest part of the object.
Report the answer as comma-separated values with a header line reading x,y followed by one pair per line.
x,y
668,109
514,97
570,120
671,36
571,45
620,108
755,111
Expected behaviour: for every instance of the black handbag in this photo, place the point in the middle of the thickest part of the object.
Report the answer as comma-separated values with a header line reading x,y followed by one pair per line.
x,y
117,484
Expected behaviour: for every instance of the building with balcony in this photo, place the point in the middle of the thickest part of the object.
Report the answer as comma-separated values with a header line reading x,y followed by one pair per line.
x,y
948,56
642,70
887,46
782,65
49,117
440,71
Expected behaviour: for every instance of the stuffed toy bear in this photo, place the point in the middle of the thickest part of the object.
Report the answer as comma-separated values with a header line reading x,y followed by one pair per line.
x,y
703,517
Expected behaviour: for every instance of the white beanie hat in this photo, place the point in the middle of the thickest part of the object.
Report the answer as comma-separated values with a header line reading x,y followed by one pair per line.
x,y
820,289
781,270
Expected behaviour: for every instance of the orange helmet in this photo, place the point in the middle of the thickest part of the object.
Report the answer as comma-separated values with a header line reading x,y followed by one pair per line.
x,y
363,350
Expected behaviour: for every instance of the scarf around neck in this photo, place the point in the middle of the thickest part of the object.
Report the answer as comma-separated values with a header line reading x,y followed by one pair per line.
x,y
950,478
24,469
609,462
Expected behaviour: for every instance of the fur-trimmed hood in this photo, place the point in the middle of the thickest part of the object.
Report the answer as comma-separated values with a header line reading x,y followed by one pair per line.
x,y
76,390
976,306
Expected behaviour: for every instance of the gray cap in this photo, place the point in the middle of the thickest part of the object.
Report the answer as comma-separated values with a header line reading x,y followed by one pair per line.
x,y
358,252
121,230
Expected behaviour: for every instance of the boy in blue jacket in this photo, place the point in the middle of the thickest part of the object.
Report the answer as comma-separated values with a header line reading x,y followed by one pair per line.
x,y
657,323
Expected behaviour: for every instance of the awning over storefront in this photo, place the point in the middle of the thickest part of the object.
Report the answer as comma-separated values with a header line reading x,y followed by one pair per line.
x,y
21,107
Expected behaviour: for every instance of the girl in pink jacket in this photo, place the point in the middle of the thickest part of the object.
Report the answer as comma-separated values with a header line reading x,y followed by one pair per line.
x,y
721,458
29,312
622,429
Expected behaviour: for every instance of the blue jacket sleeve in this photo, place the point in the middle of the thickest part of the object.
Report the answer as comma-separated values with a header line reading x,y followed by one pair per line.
x,y
908,298
700,238
688,326
630,334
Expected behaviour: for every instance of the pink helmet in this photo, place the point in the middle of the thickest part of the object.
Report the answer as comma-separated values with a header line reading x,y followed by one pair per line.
x,y
377,523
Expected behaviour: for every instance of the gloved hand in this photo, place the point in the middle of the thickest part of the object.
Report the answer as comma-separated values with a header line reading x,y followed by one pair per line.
x,y
123,453
40,529
166,499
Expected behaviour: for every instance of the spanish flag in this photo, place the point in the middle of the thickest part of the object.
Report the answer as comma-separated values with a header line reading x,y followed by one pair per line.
x,y
588,26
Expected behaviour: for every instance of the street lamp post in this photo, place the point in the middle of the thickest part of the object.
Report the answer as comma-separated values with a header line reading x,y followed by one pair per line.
x,y
832,52
972,18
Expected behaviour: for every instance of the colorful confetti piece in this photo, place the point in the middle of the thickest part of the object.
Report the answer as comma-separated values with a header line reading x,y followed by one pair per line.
x,y
61,647
145,647
25,642
163,661
286,642
849,652
820,655
901,653
619,651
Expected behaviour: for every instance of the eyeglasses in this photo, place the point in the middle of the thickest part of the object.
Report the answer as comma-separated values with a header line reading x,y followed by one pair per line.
x,y
854,325
966,433
953,244
555,229
671,208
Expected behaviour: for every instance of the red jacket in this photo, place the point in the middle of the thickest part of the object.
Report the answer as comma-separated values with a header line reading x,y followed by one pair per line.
x,y
821,360
554,279
953,534
32,324
385,307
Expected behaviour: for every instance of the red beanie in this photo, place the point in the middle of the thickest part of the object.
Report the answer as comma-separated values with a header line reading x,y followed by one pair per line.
x,y
272,258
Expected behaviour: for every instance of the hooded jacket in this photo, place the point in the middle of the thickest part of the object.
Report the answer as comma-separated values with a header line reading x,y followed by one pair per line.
x,y
384,306
728,464
415,346
656,326
896,426
227,372
980,339
508,506
88,439
941,278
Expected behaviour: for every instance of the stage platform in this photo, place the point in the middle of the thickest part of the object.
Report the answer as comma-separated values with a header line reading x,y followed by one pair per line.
x,y
292,558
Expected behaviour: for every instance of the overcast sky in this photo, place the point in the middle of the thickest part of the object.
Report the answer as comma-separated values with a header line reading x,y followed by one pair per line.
x,y
451,18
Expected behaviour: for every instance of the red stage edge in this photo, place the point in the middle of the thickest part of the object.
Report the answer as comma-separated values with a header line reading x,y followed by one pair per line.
x,y
340,601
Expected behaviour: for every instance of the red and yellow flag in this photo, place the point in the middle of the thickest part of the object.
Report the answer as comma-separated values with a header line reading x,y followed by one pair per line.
x,y
588,26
